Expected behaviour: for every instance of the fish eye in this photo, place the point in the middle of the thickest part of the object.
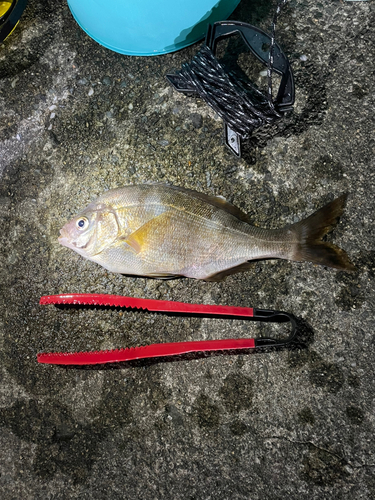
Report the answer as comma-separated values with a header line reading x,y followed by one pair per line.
x,y
82,223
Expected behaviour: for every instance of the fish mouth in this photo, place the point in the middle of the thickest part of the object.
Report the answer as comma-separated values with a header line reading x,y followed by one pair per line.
x,y
63,239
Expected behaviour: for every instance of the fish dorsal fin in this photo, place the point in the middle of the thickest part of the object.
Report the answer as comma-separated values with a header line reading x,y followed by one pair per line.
x,y
216,201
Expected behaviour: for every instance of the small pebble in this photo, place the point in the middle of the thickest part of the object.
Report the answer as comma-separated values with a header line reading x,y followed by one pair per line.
x,y
208,179
90,92
196,120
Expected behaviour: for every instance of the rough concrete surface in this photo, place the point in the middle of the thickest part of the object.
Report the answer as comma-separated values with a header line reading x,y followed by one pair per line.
x,y
77,119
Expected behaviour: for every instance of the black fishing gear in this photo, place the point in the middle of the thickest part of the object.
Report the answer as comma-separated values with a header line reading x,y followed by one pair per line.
x,y
241,105
10,13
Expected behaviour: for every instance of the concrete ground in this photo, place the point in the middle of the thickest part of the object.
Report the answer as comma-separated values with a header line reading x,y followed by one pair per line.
x,y
77,119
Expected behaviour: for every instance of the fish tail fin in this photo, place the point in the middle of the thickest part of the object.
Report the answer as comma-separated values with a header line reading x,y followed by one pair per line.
x,y
310,232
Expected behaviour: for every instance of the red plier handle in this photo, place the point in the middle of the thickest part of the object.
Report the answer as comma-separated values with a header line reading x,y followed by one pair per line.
x,y
170,348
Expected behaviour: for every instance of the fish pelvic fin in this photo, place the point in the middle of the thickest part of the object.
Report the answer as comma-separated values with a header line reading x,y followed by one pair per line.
x,y
310,231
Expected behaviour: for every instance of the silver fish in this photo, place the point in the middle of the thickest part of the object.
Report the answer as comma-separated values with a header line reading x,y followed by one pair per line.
x,y
163,231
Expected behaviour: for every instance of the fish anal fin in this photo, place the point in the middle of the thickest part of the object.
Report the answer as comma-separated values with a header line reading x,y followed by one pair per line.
x,y
245,266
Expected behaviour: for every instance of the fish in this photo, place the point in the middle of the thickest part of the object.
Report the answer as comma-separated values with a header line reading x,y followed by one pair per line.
x,y
165,231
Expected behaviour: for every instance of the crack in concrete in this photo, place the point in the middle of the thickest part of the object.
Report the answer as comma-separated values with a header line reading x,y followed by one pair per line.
x,y
310,443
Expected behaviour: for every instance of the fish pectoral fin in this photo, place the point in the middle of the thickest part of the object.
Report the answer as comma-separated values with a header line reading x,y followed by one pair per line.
x,y
133,244
153,229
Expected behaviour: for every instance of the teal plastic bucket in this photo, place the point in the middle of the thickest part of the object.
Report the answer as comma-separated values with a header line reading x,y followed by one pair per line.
x,y
148,27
